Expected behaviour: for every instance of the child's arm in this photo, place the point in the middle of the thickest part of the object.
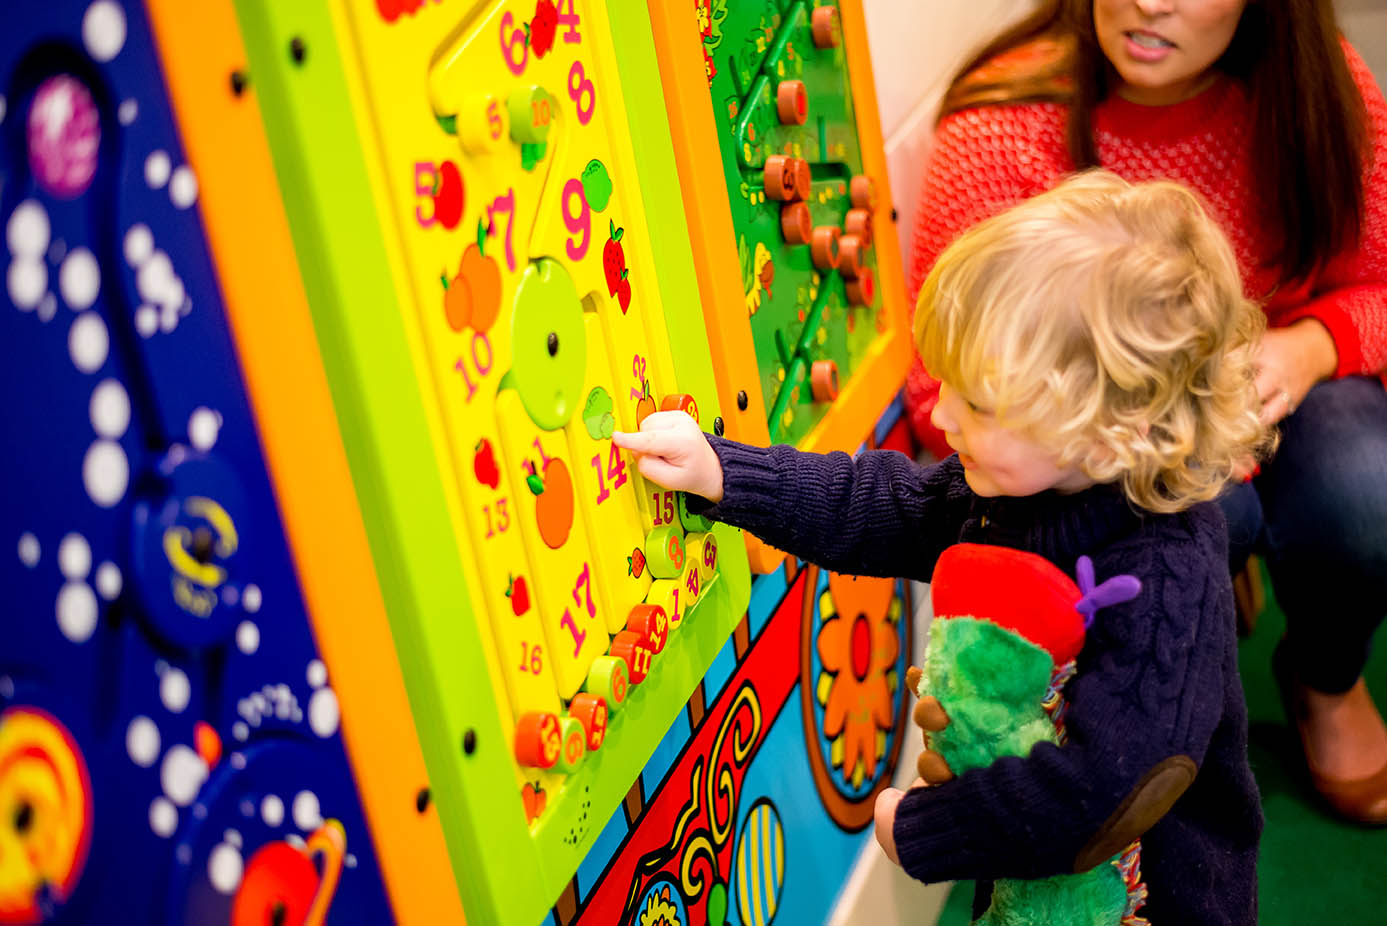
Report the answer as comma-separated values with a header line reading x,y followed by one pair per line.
x,y
876,514
1152,688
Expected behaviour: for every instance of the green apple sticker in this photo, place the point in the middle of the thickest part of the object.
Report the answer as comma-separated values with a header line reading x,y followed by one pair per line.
x,y
597,185
597,414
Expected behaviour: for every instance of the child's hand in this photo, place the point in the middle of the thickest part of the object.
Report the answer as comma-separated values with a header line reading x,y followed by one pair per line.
x,y
672,451
885,817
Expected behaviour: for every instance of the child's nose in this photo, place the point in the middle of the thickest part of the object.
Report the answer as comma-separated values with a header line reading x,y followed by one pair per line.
x,y
942,416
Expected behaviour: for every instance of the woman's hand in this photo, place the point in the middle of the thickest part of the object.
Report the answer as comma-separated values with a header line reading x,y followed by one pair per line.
x,y
672,451
1290,361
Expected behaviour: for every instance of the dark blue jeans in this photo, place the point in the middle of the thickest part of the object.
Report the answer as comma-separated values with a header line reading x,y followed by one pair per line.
x,y
1318,514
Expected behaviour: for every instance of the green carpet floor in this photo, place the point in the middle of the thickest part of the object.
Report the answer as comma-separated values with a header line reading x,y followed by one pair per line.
x,y
1313,869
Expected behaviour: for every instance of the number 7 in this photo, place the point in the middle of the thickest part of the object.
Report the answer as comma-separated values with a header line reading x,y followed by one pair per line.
x,y
505,204
585,578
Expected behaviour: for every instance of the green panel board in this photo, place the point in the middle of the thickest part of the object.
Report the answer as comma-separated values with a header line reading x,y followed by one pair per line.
x,y
799,315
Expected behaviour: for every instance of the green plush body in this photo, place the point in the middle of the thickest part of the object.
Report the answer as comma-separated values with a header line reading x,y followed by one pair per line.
x,y
991,683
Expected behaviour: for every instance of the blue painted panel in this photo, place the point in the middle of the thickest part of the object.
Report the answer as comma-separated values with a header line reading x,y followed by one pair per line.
x,y
154,642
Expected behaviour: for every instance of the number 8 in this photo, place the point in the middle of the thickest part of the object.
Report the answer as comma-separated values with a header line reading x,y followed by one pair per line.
x,y
578,84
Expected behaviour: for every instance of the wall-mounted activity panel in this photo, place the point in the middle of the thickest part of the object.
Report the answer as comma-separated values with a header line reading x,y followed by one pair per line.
x,y
480,195
173,725
805,301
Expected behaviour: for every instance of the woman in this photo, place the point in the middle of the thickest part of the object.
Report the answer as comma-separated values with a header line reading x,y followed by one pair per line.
x,y
1261,107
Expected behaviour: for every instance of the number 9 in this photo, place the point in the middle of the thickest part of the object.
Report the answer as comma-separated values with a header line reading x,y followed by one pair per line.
x,y
710,552
580,224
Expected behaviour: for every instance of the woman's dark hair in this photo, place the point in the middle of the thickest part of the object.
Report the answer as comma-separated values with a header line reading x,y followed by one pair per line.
x,y
1309,121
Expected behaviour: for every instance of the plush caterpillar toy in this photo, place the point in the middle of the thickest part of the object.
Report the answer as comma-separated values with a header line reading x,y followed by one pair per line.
x,y
1008,626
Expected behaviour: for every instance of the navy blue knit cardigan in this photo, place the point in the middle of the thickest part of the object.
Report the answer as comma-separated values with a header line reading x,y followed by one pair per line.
x,y
1157,677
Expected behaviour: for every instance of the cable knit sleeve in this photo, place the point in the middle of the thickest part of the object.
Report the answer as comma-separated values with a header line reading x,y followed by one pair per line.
x,y
876,514
1351,294
1149,686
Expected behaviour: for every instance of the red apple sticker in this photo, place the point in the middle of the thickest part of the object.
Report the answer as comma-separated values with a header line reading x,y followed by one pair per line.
x,y
448,195
542,27
484,465
519,595
390,10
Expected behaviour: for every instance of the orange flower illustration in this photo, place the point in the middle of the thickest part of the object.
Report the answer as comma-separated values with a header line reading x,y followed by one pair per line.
x,y
858,645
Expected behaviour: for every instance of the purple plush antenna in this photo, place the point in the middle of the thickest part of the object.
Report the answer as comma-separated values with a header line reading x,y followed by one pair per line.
x,y
1113,591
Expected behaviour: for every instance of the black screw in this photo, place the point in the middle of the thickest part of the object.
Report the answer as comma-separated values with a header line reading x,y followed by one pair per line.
x,y
741,399
202,545
238,82
297,50
717,426
469,742
421,800
893,213
553,344
23,817
279,913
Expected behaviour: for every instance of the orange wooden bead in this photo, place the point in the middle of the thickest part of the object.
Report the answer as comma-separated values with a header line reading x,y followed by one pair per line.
x,y
825,27
804,177
538,740
792,102
632,649
796,224
823,379
859,223
591,712
863,290
680,402
824,247
778,177
851,255
651,624
863,192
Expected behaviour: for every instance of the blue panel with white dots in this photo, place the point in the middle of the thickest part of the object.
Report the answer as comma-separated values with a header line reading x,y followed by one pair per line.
x,y
157,669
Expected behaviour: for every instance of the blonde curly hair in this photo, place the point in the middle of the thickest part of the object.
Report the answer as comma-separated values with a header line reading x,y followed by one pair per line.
x,y
1106,320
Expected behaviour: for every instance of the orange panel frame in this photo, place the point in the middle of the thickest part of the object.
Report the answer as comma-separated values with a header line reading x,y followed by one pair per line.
x,y
200,46
694,128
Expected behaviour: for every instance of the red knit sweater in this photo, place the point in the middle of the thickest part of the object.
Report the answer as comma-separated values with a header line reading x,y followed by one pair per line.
x,y
989,158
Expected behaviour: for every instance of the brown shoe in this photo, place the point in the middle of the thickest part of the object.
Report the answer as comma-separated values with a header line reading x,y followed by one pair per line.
x,y
1362,800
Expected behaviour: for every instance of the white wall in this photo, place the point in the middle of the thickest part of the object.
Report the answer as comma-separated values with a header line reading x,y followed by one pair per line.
x,y
917,45
1365,24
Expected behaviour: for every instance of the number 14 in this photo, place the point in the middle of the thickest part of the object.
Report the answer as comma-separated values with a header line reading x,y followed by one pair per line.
x,y
616,469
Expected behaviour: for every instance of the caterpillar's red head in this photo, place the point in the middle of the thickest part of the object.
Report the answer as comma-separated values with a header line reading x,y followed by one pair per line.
x,y
1024,593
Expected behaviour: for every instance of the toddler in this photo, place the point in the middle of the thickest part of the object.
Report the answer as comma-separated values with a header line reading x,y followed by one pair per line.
x,y
1096,357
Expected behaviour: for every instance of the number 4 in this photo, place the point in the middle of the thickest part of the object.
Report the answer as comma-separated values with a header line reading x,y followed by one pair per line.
x,y
569,19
